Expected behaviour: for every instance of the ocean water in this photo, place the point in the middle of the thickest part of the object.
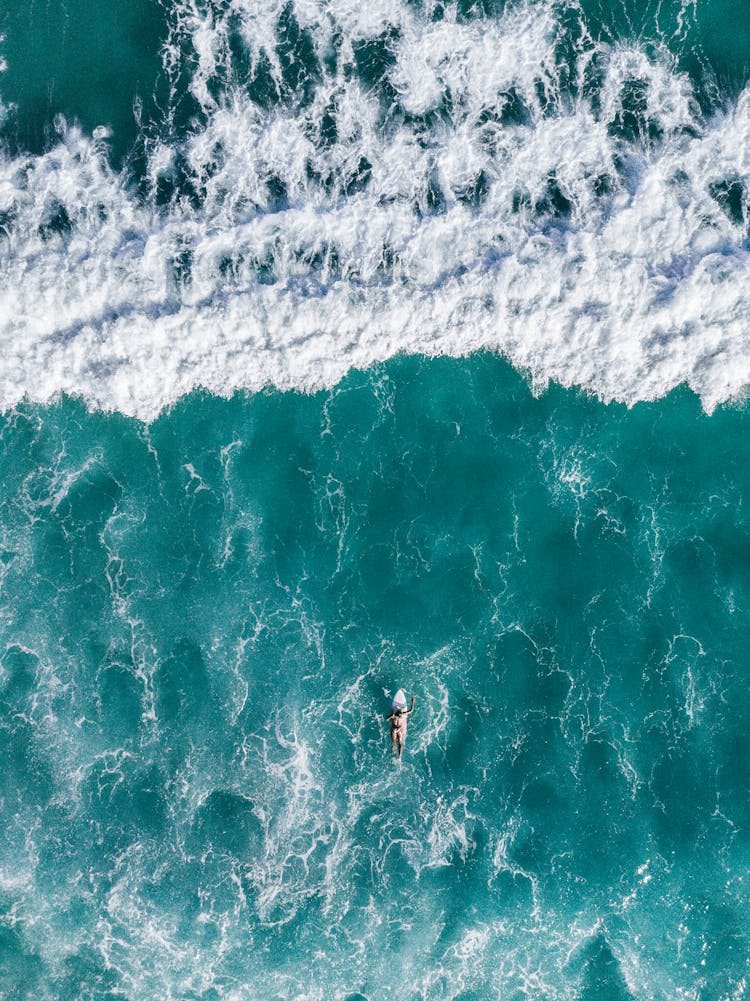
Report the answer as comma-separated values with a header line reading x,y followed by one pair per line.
x,y
203,620
228,194
349,347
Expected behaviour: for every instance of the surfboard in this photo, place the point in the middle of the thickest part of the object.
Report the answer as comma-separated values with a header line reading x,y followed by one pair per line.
x,y
399,700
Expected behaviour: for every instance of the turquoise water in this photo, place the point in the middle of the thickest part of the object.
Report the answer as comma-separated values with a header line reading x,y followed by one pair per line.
x,y
103,65
86,60
351,347
202,621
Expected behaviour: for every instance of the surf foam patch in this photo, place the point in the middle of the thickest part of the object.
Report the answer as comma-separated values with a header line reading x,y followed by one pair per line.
x,y
363,183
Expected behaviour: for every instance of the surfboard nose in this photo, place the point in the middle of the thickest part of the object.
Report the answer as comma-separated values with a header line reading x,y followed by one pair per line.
x,y
399,700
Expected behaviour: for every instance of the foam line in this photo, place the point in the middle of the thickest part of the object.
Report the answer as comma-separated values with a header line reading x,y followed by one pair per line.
x,y
493,189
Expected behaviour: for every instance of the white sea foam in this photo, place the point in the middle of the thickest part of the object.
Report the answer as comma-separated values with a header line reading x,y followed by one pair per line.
x,y
627,291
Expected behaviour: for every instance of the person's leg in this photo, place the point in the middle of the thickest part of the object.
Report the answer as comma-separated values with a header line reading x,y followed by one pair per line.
x,y
394,742
400,744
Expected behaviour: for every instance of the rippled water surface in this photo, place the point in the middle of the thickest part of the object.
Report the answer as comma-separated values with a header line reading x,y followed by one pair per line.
x,y
202,623
319,324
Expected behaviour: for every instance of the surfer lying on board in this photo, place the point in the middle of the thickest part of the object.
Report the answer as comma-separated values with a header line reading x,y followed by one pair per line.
x,y
397,719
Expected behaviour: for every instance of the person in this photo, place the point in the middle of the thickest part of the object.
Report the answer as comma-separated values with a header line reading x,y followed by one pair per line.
x,y
397,719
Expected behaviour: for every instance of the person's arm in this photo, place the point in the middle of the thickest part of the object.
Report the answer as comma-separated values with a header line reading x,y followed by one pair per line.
x,y
412,705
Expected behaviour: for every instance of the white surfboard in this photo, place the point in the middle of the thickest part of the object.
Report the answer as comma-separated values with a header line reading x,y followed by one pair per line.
x,y
399,700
